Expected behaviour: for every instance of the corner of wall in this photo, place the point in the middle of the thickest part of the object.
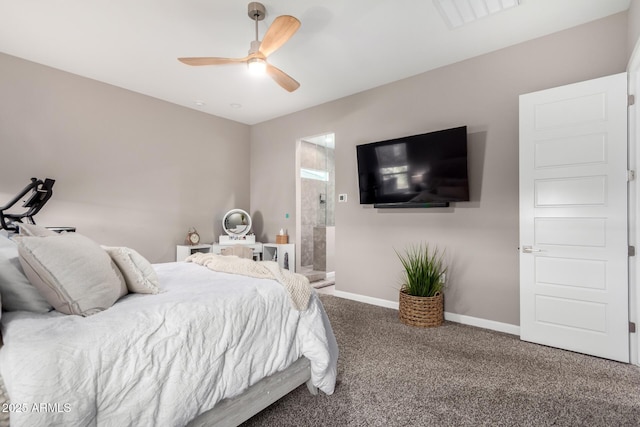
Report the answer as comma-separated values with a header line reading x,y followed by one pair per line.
x,y
633,27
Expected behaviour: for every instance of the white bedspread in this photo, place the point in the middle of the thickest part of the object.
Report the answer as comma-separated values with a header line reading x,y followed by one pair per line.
x,y
160,360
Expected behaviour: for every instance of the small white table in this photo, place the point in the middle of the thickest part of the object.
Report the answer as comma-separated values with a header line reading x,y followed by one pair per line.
x,y
283,253
183,251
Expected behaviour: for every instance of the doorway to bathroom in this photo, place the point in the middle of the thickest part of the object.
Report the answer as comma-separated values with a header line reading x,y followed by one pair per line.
x,y
315,206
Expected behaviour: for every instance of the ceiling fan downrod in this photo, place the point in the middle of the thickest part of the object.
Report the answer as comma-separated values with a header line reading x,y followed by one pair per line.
x,y
257,64
256,12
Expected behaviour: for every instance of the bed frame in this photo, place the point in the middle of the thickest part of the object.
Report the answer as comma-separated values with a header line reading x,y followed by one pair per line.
x,y
234,411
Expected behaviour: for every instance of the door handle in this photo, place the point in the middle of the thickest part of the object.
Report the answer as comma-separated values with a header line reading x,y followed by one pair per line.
x,y
529,250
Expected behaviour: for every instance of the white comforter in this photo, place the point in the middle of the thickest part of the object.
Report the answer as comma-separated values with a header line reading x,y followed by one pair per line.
x,y
160,360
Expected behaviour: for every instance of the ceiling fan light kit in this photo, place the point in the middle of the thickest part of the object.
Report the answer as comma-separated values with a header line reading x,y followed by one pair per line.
x,y
280,31
257,66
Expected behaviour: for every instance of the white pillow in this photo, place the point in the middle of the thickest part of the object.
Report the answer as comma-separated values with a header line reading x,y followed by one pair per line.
x,y
16,290
137,271
73,273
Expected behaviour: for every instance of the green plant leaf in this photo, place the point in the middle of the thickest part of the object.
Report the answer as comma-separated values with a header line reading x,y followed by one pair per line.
x,y
424,270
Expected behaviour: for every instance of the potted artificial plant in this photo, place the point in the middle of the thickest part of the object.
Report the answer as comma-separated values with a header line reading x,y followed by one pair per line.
x,y
421,294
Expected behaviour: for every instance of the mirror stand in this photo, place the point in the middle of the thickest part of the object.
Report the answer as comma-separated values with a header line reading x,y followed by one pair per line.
x,y
237,224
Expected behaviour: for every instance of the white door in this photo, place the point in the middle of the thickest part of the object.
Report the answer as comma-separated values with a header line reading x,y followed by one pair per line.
x,y
573,218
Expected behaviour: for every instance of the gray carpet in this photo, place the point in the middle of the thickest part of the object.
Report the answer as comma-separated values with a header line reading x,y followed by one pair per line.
x,y
390,374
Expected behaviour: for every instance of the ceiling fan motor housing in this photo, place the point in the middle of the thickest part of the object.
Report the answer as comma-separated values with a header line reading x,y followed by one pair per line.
x,y
255,47
256,11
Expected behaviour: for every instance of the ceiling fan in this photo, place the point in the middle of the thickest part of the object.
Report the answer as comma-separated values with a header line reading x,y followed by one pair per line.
x,y
281,30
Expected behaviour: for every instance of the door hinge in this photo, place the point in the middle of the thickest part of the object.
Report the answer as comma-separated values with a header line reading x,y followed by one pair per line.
x,y
631,175
632,327
631,100
632,251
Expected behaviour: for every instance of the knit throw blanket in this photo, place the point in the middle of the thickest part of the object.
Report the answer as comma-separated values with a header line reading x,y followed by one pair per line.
x,y
296,284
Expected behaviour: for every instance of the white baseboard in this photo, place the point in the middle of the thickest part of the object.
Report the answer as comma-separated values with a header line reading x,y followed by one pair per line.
x,y
369,300
483,323
452,317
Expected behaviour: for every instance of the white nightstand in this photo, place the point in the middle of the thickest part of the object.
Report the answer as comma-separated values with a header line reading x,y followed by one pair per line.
x,y
183,251
283,253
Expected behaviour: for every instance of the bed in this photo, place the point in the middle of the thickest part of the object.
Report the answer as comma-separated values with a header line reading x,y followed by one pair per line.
x,y
208,348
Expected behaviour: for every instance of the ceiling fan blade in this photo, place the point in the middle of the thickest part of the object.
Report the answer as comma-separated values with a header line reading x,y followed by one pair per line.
x,y
283,79
281,30
212,60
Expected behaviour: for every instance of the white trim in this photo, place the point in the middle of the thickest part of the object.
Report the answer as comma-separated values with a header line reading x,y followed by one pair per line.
x,y
368,300
298,234
507,328
452,317
313,139
633,73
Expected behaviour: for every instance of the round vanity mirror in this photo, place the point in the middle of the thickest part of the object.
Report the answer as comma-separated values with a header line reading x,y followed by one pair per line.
x,y
236,223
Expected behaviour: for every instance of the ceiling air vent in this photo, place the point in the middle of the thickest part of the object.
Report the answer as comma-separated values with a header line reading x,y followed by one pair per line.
x,y
460,12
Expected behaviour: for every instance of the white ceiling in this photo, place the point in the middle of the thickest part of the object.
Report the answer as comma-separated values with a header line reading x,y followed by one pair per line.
x,y
343,46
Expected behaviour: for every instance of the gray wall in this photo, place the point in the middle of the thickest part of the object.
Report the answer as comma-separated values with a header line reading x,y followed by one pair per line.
x,y
633,20
130,170
481,236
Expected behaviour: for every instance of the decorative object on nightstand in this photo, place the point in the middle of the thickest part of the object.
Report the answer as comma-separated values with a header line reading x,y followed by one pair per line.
x,y
193,238
282,238
421,294
237,225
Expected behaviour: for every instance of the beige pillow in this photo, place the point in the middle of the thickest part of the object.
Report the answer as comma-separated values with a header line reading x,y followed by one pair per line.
x,y
138,273
73,273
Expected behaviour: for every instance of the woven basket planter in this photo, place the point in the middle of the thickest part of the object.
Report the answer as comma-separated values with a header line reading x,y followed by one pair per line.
x,y
425,312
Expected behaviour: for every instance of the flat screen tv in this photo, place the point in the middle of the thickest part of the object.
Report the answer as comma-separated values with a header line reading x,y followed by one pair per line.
x,y
427,170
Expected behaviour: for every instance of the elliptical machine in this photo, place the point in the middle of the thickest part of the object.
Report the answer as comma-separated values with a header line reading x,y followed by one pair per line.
x,y
41,192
